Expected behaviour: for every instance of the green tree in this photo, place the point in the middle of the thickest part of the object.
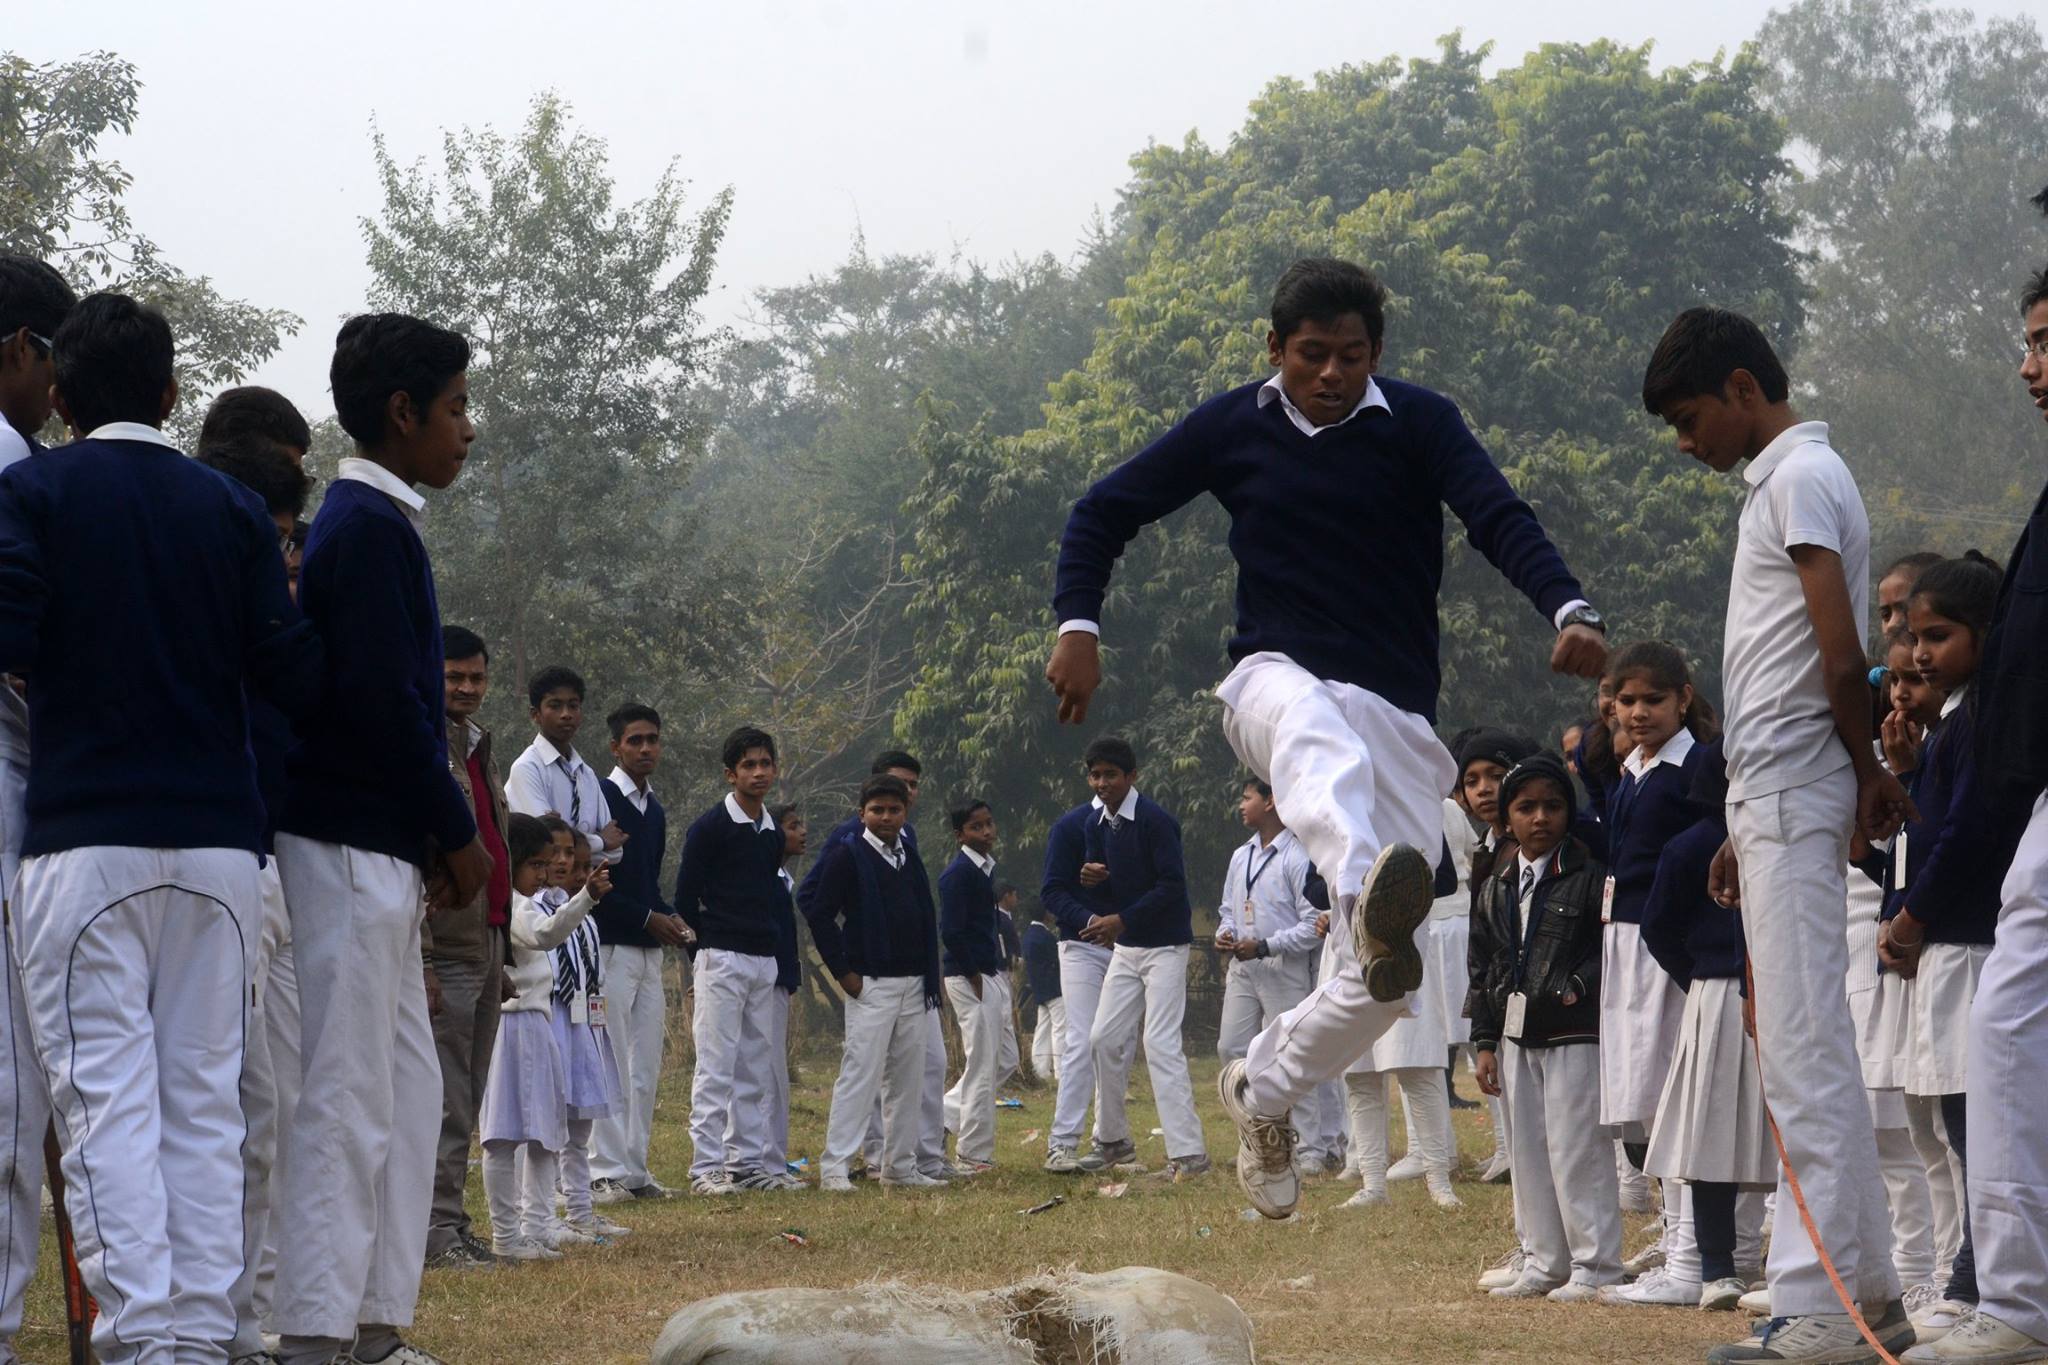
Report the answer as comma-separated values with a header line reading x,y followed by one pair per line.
x,y
61,200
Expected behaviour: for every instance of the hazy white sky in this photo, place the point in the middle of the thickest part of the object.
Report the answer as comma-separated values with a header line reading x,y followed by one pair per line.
x,y
999,129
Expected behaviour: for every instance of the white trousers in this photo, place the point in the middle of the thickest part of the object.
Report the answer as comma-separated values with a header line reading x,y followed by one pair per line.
x,y
359,1163
2008,1075
136,968
1048,1039
635,1015
1351,774
1366,1101
1793,846
519,1185
262,1110
883,1053
1082,967
1567,1206
1145,988
971,1103
1906,1191
770,1152
281,1028
732,1019
1942,1175
1254,995
24,1094
1007,1054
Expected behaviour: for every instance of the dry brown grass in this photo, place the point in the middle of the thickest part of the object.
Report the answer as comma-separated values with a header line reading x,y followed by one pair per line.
x,y
1393,1286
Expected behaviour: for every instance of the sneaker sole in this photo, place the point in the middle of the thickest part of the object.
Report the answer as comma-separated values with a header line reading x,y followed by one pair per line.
x,y
1393,903
1240,1118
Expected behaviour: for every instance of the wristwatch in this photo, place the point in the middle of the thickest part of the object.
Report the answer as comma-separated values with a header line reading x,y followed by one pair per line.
x,y
1584,616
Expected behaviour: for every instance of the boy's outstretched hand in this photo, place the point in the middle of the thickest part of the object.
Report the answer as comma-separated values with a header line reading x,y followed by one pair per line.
x,y
600,884
1075,671
1580,652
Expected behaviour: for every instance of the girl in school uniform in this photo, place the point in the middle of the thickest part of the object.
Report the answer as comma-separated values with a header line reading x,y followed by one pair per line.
x,y
1662,721
524,1124
1940,943
590,1069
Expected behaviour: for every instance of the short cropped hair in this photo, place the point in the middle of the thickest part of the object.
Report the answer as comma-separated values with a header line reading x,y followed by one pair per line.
x,y
1323,289
553,678
113,361
744,741
2036,287
379,354
460,642
964,812
265,467
32,295
252,410
1259,785
1700,349
885,784
896,758
1109,749
631,713
781,814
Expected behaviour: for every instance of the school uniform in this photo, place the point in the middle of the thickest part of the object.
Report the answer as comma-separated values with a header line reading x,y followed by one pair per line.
x,y
1042,976
636,1003
545,780
1446,972
1333,694
972,963
588,1063
873,917
729,892
368,798
1535,939
140,595
1082,967
1791,803
1008,1054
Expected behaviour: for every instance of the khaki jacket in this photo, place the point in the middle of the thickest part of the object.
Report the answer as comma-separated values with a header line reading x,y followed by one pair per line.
x,y
459,934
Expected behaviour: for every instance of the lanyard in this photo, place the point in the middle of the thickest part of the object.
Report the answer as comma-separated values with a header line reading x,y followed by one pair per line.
x,y
1251,876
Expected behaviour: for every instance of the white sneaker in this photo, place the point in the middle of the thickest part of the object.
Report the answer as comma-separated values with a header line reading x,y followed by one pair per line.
x,y
1657,1289
1816,1339
1756,1303
1265,1146
1527,1285
1980,1340
1440,1192
1505,1271
1719,1296
1936,1320
523,1249
597,1225
406,1354
916,1180
1408,1167
607,1190
1392,904
1368,1197
1497,1171
715,1185
1646,1260
1574,1291
1062,1161
565,1235
835,1184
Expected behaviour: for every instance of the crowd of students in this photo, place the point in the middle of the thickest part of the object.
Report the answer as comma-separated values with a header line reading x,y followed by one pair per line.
x,y
269,896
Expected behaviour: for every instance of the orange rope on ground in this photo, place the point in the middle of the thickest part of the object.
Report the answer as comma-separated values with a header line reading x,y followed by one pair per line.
x,y
1827,1262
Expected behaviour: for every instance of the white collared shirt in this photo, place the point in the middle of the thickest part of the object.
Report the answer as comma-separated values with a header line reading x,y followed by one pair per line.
x,y
1674,751
1273,389
984,864
1265,896
1953,700
1522,867
384,481
740,817
892,852
130,431
1126,811
632,790
544,780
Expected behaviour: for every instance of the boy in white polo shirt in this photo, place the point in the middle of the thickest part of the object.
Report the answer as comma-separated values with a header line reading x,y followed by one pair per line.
x,y
1801,775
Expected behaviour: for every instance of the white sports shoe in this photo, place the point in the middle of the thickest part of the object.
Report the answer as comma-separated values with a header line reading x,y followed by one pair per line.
x,y
1527,1285
1816,1339
1658,1288
835,1184
1719,1296
597,1225
567,1235
1648,1259
1756,1303
916,1180
406,1354
1368,1197
1505,1271
1440,1192
1062,1161
1409,1167
716,1184
1265,1146
1498,1170
523,1249
1574,1291
1980,1339
1935,1318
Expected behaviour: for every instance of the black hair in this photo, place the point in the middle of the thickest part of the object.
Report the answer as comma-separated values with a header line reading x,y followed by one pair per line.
x,y
553,678
1259,784
1323,289
1004,889
2036,287
113,361
460,642
1915,564
525,837
254,410
780,814
741,742
964,812
1664,665
1540,767
264,467
555,824
1700,349
379,354
896,758
32,295
1109,749
1962,590
632,713
884,784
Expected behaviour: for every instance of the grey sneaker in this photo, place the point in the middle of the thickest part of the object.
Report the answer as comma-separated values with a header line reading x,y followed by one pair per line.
x,y
1393,903
1062,1161
1179,1169
1265,1147
606,1190
406,1354
1720,1296
1816,1339
1980,1339
1110,1154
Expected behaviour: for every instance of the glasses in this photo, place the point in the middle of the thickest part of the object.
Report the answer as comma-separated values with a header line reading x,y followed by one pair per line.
x,y
2035,349
39,339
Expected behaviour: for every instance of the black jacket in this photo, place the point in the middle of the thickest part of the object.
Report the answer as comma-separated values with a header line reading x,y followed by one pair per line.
x,y
1563,955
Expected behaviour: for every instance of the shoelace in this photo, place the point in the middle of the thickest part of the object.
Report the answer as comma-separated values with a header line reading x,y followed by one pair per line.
x,y
1274,1140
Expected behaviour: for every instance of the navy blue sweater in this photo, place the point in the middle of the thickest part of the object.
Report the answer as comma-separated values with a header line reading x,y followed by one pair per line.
x,y
1958,904
890,925
846,831
1691,936
728,890
1642,817
1147,883
636,877
139,593
371,767
1371,491
270,743
1042,962
969,926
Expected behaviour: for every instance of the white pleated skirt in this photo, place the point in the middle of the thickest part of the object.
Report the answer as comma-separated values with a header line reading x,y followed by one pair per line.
x,y
591,1071
1447,972
1423,1038
1640,1007
523,1095
1937,1053
1890,1033
1710,1122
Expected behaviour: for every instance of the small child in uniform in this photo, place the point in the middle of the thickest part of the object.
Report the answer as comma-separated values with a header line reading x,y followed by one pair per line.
x,y
590,1069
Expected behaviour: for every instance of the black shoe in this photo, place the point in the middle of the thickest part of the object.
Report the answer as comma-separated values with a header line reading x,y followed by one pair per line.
x,y
1460,1102
478,1248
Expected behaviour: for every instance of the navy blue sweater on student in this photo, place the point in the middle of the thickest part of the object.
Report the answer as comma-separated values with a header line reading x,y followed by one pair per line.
x,y
139,593
1147,883
1685,930
970,928
636,877
1338,537
1642,817
846,831
371,767
1958,904
872,918
728,889
1042,961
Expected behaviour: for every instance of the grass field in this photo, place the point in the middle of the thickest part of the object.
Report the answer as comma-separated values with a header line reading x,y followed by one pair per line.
x,y
1386,1286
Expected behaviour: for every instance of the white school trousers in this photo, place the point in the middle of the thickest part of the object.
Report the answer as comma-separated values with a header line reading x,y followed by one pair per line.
x,y
1256,993
1007,1054
135,963
736,998
359,1163
1567,1206
1792,848
636,1016
1048,1039
1082,967
1145,990
1366,1100
2008,1187
261,1111
281,1028
770,1149
883,1054
1351,773
971,1103
24,1094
